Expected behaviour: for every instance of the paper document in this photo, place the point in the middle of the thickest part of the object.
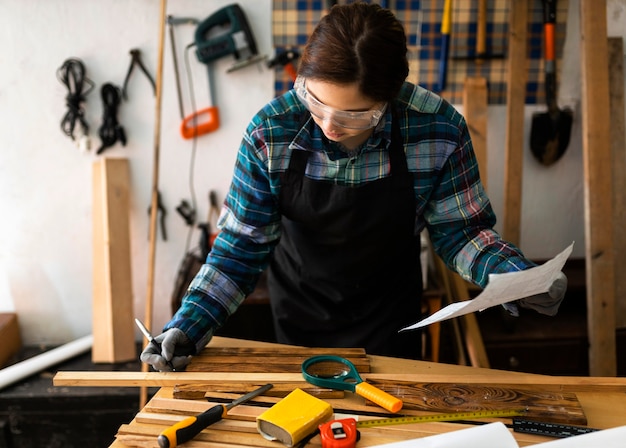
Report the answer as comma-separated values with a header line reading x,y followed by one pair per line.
x,y
496,434
503,288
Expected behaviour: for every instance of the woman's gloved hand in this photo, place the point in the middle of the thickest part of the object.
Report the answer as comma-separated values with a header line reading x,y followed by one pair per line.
x,y
175,353
546,303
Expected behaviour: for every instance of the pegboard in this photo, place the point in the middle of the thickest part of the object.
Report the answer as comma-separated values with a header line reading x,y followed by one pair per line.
x,y
293,22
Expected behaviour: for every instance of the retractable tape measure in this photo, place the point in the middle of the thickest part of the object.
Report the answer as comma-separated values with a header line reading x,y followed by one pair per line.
x,y
340,433
440,417
343,433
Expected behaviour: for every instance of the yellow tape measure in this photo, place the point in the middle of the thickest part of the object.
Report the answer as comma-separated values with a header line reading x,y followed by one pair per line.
x,y
440,418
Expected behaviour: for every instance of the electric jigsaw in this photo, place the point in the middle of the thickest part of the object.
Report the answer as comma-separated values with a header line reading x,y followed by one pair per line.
x,y
226,32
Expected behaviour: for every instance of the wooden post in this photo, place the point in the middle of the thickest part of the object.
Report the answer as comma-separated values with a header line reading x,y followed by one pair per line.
x,y
516,99
113,329
154,202
618,149
475,110
597,189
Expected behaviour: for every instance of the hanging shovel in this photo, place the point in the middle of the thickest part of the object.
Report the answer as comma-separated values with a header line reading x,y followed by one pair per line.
x,y
550,131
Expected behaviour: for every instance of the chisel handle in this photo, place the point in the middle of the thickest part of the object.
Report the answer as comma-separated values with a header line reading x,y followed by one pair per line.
x,y
190,427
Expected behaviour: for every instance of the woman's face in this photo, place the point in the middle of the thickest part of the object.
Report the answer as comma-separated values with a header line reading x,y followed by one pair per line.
x,y
342,97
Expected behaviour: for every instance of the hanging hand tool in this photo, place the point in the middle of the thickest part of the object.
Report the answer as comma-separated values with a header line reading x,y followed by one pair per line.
x,y
171,22
446,27
135,55
161,210
550,131
223,33
188,428
286,60
481,54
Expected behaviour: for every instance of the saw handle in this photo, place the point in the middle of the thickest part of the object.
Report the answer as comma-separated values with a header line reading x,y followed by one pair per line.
x,y
192,126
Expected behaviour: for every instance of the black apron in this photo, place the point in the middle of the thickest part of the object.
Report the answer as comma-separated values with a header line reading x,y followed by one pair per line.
x,y
346,272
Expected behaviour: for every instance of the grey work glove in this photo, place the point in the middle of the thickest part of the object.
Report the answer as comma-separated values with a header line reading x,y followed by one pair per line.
x,y
546,303
174,354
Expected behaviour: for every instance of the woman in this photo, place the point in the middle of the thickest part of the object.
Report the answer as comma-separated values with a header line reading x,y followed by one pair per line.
x,y
333,184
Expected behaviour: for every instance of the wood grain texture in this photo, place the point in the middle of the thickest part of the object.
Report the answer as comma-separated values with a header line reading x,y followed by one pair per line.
x,y
171,379
618,150
198,391
598,196
251,359
517,74
558,407
240,421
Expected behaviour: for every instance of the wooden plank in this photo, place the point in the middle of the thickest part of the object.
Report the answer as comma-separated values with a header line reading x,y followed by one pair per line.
x,y
471,332
285,360
113,329
558,407
618,150
159,415
598,189
199,391
475,111
10,337
171,379
516,99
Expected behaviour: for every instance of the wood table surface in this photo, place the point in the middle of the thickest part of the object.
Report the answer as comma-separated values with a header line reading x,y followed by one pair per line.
x,y
603,408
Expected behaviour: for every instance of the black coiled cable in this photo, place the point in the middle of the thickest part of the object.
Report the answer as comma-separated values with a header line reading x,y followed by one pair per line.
x,y
110,131
73,75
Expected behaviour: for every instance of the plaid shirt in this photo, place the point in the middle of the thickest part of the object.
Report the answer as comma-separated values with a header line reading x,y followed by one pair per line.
x,y
450,200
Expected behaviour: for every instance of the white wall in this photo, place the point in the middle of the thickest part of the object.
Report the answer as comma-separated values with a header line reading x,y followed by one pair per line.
x,y
45,181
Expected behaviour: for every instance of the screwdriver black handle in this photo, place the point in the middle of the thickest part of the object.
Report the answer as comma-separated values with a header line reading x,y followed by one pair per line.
x,y
190,427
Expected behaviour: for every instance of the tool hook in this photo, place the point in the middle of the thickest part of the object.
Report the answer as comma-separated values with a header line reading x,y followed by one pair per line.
x,y
136,60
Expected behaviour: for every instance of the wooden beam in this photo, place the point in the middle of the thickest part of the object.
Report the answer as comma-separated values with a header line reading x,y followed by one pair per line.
x,y
516,99
475,110
618,150
171,379
112,304
597,189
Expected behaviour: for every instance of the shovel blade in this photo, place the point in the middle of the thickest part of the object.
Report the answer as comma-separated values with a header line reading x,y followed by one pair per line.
x,y
550,135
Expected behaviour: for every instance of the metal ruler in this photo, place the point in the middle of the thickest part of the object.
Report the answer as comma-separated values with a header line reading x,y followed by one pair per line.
x,y
549,429
439,418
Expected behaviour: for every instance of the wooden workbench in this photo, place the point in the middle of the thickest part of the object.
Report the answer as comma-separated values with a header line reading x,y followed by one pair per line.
x,y
604,408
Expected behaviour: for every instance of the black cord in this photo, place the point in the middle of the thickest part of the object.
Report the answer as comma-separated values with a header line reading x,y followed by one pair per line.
x,y
110,131
73,75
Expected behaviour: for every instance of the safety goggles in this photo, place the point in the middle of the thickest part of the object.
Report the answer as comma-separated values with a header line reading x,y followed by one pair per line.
x,y
346,119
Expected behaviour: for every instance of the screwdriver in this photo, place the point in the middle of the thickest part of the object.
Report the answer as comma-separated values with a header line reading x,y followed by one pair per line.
x,y
190,427
151,340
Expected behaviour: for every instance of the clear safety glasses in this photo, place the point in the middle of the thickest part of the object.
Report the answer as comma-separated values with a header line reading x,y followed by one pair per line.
x,y
346,119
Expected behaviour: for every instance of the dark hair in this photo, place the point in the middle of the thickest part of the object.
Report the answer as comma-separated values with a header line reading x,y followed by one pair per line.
x,y
361,43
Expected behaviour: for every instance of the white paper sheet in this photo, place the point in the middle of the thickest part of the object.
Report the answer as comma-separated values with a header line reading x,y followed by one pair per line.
x,y
503,288
497,435
483,436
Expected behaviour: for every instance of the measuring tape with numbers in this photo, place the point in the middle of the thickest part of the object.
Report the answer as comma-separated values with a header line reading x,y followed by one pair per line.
x,y
549,429
439,418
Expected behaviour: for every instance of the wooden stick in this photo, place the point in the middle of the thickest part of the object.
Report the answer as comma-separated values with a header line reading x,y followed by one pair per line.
x,y
596,132
516,99
170,379
154,203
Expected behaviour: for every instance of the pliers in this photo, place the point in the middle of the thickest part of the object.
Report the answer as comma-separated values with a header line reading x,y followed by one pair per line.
x,y
136,60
